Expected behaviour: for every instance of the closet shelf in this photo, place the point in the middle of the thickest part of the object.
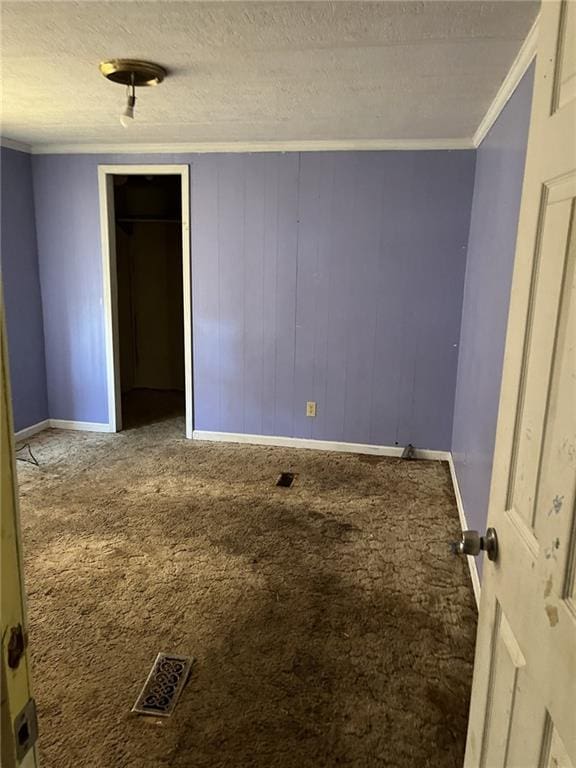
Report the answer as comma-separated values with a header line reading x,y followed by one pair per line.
x,y
140,219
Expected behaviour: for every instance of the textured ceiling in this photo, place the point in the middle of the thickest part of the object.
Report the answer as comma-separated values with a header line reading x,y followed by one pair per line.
x,y
258,72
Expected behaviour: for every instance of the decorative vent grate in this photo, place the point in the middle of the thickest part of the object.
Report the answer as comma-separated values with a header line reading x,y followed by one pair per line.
x,y
163,685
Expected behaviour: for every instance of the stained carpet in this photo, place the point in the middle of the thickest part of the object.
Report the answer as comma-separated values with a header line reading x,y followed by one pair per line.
x,y
330,624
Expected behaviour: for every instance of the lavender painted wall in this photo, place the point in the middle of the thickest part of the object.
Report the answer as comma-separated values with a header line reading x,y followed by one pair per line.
x,y
21,286
244,263
334,277
68,227
497,191
67,220
381,263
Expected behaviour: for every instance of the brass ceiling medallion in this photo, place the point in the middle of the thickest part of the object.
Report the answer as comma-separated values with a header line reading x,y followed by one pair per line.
x,y
128,71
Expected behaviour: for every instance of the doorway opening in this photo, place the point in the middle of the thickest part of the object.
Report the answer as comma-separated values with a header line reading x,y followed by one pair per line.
x,y
148,223
146,252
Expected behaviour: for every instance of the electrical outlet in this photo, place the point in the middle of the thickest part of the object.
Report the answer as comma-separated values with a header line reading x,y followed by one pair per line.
x,y
310,408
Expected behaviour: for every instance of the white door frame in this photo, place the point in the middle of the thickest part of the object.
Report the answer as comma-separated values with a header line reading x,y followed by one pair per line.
x,y
109,278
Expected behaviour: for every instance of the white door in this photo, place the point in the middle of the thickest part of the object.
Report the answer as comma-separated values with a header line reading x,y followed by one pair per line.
x,y
523,709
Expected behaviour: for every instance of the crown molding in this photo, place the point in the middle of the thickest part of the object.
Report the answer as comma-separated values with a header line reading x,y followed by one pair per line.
x,y
254,146
515,74
19,146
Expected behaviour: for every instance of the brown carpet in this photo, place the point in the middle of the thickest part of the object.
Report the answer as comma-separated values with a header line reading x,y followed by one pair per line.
x,y
330,623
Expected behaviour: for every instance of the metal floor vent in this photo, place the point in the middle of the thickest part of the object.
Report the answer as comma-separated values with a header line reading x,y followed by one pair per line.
x,y
163,685
285,480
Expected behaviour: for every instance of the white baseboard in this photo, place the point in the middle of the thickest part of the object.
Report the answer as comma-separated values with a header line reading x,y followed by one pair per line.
x,y
464,524
81,426
22,434
316,445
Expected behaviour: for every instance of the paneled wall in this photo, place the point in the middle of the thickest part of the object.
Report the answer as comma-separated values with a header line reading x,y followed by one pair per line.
x,y
244,270
68,227
21,286
334,277
495,209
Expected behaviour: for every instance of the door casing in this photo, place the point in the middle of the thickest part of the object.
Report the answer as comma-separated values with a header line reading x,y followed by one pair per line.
x,y
16,683
106,175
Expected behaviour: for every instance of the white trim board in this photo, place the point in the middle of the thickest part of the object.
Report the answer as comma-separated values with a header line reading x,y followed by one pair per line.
x,y
81,426
354,145
465,527
33,429
511,81
19,146
316,445
110,297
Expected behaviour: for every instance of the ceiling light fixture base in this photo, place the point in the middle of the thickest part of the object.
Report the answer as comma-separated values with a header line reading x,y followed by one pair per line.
x,y
133,72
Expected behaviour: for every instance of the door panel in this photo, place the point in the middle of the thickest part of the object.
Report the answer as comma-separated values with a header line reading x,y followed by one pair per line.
x,y
550,265
505,663
554,754
565,77
524,691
